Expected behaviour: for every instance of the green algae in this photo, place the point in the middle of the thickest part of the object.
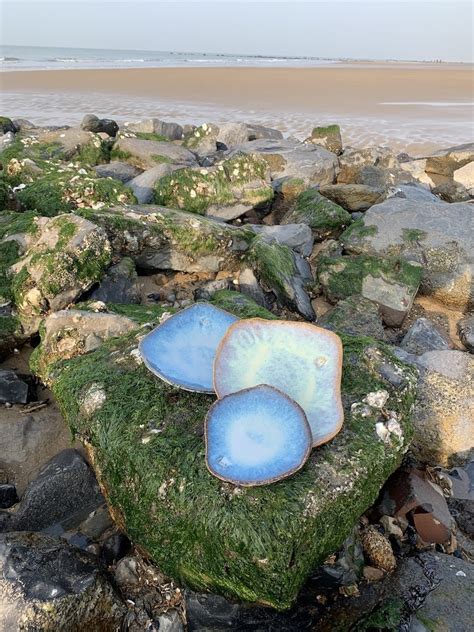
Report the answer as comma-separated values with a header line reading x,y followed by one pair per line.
x,y
240,305
323,216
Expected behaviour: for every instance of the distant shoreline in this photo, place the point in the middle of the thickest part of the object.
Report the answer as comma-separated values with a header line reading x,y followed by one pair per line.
x,y
425,106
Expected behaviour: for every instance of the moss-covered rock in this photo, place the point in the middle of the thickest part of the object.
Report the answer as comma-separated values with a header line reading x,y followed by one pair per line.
x,y
145,154
240,305
391,282
326,218
283,272
328,136
159,238
202,139
65,190
225,191
70,255
145,439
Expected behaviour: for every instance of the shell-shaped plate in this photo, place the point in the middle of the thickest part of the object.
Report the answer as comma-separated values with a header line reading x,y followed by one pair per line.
x,y
256,436
181,350
299,359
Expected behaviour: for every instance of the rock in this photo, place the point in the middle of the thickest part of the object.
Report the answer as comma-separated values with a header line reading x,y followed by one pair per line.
x,y
232,134
407,494
357,316
7,125
126,572
446,161
121,171
70,255
225,191
115,547
170,622
353,162
171,131
299,237
466,332
203,139
160,238
143,184
391,283
439,236
353,197
45,584
32,439
308,162
444,421
12,389
96,523
328,137
286,191
251,533
6,140
344,568
430,591
8,496
249,286
64,492
451,191
146,154
118,284
240,304
257,132
465,175
285,273
378,549
70,332
325,218
423,336
92,123
413,191
72,143
416,169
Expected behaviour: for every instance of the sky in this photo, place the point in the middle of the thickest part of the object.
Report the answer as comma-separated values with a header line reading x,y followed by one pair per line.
x,y
376,29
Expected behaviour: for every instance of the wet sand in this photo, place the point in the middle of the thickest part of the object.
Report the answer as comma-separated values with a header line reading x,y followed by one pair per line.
x,y
405,105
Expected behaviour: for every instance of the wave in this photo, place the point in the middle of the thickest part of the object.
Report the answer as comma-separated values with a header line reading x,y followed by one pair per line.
x,y
2,59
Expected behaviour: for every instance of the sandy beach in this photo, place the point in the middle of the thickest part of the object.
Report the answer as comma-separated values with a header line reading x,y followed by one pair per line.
x,y
417,107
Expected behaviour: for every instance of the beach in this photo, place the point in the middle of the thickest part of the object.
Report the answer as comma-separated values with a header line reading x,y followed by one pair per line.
x,y
417,107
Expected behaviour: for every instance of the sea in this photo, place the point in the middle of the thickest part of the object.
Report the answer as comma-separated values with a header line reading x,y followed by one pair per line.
x,y
43,58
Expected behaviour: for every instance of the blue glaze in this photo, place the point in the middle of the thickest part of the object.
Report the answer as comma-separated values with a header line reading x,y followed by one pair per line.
x,y
256,436
181,350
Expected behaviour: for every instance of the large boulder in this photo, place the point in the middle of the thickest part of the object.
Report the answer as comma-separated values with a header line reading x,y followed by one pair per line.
x,y
117,170
160,238
68,257
225,191
439,236
46,584
446,161
73,143
311,163
390,282
444,413
146,154
143,184
324,217
353,197
328,137
256,544
92,123
203,139
168,130
354,163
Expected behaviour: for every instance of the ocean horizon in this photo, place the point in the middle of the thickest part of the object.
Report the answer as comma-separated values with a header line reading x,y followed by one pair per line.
x,y
13,58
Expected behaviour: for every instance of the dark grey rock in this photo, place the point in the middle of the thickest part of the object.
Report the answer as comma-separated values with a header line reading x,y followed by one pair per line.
x,y
118,285
466,332
12,389
8,496
451,191
355,315
249,286
115,547
413,191
299,237
423,336
7,125
65,492
97,523
118,171
92,123
46,584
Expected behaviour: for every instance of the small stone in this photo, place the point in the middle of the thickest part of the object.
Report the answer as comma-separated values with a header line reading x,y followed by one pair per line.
x,y
115,547
126,572
372,574
378,549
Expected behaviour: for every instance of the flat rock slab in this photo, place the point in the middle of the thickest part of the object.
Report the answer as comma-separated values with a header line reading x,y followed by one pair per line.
x,y
12,389
439,236
255,544
146,154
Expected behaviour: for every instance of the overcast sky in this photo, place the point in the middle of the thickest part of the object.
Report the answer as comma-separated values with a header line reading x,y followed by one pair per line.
x,y
377,29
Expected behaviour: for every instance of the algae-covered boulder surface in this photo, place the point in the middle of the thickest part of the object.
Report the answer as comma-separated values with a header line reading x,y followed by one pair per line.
x,y
145,440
